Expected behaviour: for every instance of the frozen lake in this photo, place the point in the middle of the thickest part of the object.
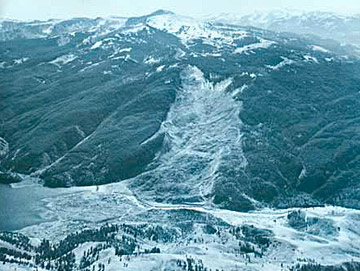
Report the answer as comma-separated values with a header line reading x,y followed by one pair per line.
x,y
23,204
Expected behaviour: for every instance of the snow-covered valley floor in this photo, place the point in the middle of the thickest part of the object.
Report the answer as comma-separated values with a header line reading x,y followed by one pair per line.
x,y
330,235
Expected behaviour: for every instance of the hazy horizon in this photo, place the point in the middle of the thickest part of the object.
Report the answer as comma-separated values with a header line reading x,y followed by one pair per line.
x,y
50,9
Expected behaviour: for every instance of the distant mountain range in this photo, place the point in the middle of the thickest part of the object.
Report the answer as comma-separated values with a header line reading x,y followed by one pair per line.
x,y
330,26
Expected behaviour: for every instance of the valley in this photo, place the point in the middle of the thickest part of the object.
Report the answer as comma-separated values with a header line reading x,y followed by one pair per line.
x,y
164,142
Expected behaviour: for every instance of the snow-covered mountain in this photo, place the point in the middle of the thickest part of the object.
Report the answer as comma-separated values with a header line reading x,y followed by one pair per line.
x,y
331,26
213,138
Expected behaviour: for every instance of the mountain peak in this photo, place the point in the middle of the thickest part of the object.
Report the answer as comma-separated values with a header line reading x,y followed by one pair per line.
x,y
143,19
161,12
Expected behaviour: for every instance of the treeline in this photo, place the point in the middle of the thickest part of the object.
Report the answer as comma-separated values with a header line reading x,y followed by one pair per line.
x,y
8,178
14,253
18,240
60,256
46,250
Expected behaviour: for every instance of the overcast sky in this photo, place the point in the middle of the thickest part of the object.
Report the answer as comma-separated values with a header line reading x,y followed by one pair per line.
x,y
45,9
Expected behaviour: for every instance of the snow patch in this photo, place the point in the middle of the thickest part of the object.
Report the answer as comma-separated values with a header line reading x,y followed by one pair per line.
x,y
263,44
319,48
188,29
151,60
63,60
125,50
302,173
96,45
160,68
240,90
309,58
20,60
283,63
